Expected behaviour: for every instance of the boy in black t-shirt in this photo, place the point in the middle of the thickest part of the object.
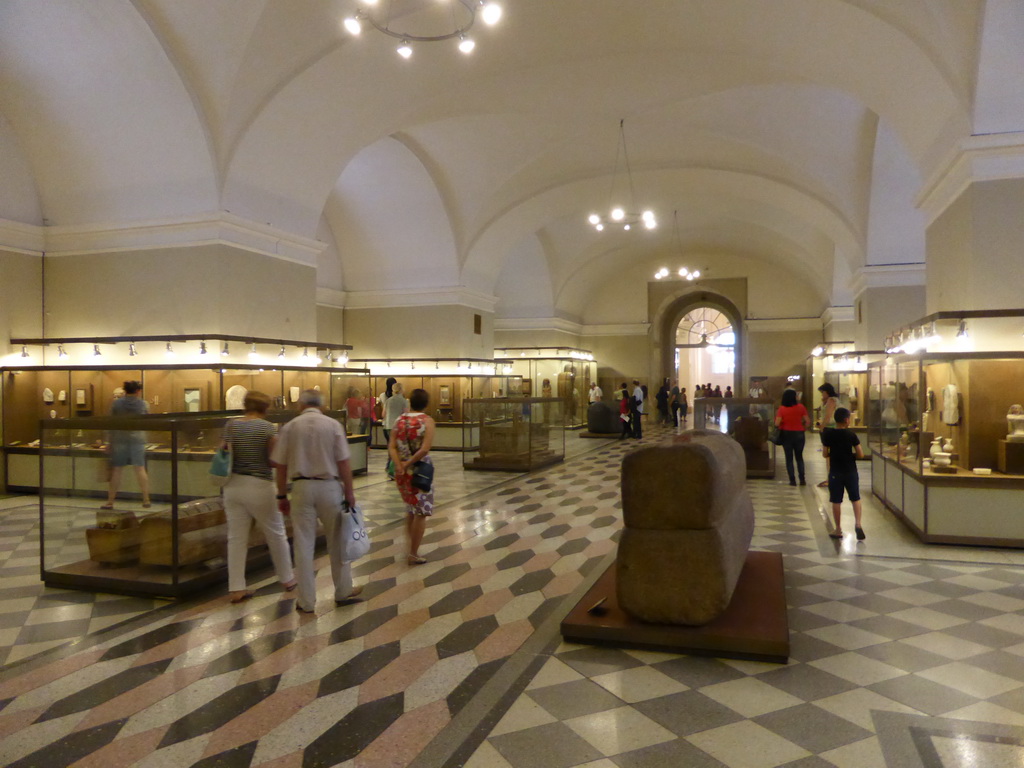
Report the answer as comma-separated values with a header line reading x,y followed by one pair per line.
x,y
843,449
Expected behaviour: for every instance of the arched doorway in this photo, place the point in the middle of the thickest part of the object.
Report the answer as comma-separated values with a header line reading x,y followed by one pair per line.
x,y
705,349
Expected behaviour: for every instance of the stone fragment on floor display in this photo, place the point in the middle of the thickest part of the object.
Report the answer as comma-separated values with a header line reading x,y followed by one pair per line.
x,y
688,525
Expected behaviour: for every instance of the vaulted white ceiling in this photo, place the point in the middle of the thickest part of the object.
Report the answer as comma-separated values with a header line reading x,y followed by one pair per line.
x,y
761,123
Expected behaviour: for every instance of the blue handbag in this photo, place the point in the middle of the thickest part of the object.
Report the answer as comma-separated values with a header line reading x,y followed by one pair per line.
x,y
220,467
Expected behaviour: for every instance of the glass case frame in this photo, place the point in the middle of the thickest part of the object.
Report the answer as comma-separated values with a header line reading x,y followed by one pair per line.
x,y
938,445
513,434
448,392
33,395
749,421
171,548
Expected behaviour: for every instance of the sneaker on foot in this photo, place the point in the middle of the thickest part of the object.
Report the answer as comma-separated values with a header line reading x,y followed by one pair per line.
x,y
860,533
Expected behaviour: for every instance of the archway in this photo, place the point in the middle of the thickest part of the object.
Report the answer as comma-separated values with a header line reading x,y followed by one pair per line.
x,y
711,312
705,349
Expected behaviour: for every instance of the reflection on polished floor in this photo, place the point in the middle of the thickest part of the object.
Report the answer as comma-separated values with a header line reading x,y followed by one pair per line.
x,y
900,651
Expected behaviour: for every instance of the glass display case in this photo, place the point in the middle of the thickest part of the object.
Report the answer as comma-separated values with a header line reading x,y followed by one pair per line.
x,y
848,374
166,533
945,458
513,433
748,421
447,395
565,374
33,395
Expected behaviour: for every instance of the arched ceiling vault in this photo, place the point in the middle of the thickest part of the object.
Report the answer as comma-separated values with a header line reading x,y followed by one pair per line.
x,y
756,119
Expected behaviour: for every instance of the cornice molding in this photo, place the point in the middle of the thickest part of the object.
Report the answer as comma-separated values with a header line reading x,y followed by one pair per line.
x,y
21,238
213,228
328,297
569,326
888,276
976,158
775,324
422,297
538,324
837,315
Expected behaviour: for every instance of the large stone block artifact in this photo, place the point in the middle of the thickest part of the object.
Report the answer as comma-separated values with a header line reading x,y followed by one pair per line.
x,y
688,524
603,419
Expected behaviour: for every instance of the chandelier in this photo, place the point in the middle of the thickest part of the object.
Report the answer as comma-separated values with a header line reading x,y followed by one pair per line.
x,y
618,216
684,272
460,16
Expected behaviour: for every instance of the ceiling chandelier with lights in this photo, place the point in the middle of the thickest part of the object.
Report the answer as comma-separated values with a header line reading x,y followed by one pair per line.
x,y
619,217
436,22
684,272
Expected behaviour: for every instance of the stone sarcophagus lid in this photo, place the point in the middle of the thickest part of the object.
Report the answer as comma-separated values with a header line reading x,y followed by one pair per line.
x,y
688,524
603,419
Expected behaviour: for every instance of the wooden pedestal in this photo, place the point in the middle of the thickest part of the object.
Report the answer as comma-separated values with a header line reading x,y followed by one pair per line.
x,y
754,626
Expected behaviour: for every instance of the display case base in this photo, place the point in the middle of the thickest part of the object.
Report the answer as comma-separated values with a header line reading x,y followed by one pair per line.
x,y
604,435
1010,459
755,625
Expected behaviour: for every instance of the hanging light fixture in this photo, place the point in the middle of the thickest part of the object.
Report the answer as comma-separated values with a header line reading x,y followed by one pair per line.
x,y
961,332
225,352
454,20
343,358
202,347
281,353
96,350
24,351
131,349
170,352
60,351
618,216
253,354
684,272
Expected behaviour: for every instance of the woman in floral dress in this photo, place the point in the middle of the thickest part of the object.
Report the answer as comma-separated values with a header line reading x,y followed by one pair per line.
x,y
410,442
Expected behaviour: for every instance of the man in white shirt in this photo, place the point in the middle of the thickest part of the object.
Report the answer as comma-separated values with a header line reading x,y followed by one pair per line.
x,y
313,453
595,393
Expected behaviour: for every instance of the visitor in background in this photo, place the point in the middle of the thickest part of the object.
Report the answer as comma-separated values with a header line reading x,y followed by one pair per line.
x,y
357,417
312,452
843,449
792,420
674,402
636,409
411,440
249,496
728,392
625,412
684,404
595,394
128,447
829,402
382,399
661,398
395,406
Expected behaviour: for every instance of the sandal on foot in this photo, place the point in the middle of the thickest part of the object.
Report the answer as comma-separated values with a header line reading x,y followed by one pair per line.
x,y
823,484
353,596
108,505
836,535
241,597
860,533
291,585
416,560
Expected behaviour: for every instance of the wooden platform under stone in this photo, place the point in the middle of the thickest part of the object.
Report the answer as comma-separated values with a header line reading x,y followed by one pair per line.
x,y
604,435
754,626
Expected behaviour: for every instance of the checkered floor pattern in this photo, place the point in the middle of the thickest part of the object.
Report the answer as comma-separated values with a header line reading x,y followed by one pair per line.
x,y
892,657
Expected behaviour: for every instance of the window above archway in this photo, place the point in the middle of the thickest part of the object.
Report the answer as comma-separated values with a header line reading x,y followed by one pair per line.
x,y
705,325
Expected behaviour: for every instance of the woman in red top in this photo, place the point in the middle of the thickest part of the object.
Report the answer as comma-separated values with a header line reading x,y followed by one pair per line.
x,y
792,420
624,413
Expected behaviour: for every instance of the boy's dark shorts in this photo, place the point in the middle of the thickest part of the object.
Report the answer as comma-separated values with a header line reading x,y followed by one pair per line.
x,y
840,481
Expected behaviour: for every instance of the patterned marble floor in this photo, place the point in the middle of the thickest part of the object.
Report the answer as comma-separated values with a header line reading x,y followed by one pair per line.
x,y
458,662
